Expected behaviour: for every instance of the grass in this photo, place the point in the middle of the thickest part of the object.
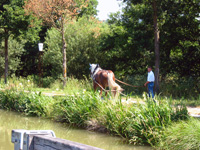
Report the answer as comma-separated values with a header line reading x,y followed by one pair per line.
x,y
73,85
76,109
138,123
32,103
182,135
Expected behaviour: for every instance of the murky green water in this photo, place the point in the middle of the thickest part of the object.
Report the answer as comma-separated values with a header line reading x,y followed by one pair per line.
x,y
12,120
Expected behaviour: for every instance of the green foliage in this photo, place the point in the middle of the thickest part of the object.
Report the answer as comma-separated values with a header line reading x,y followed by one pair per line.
x,y
187,87
170,86
77,109
14,20
82,38
139,123
16,49
19,83
90,10
132,39
178,25
180,39
183,135
73,85
33,104
15,24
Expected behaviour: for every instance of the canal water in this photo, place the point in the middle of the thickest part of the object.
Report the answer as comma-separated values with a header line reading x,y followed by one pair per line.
x,y
12,120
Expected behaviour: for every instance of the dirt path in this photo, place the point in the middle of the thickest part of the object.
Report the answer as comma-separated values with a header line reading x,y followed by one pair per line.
x,y
194,111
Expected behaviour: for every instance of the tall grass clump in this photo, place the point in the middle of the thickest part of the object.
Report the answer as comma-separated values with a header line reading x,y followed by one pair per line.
x,y
139,123
73,85
30,103
76,109
18,83
182,135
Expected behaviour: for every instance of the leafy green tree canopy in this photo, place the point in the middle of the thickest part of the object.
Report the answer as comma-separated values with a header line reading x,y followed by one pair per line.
x,y
13,21
83,38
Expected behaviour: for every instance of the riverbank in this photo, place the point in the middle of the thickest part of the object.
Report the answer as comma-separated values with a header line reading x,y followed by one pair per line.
x,y
139,124
12,120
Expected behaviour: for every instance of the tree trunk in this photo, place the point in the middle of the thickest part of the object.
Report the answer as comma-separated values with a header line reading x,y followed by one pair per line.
x,y
64,57
6,56
156,44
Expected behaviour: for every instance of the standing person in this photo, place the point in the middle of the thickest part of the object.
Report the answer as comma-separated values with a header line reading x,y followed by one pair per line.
x,y
150,82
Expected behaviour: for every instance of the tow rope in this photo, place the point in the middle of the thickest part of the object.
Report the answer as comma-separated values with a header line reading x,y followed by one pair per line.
x,y
127,83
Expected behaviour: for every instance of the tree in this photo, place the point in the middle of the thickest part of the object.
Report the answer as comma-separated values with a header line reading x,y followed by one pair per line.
x,y
90,10
56,13
154,4
174,23
132,38
156,45
14,22
84,37
180,38
16,49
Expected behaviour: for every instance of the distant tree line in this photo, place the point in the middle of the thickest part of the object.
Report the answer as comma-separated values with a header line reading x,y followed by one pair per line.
x,y
124,43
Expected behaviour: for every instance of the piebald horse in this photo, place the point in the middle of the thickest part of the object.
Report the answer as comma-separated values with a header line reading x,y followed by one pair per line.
x,y
104,78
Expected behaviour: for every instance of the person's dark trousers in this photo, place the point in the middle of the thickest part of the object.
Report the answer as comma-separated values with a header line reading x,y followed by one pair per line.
x,y
150,89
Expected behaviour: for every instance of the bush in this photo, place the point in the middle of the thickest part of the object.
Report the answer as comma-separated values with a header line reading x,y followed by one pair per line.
x,y
18,83
178,87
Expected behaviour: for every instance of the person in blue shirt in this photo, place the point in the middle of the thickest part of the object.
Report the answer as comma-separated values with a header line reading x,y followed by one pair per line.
x,y
150,82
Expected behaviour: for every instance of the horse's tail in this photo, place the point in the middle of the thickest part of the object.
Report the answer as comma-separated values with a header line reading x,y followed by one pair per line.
x,y
112,84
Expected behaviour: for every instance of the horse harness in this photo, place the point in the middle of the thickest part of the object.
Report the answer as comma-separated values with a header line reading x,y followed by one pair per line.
x,y
93,76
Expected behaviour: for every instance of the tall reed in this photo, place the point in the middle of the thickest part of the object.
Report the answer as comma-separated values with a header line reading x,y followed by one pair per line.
x,y
139,123
182,135
31,103
76,109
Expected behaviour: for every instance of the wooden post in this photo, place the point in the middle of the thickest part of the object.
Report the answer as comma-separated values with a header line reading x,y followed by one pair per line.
x,y
6,56
40,68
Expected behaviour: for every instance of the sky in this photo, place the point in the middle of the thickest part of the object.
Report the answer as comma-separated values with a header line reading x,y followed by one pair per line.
x,y
105,7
